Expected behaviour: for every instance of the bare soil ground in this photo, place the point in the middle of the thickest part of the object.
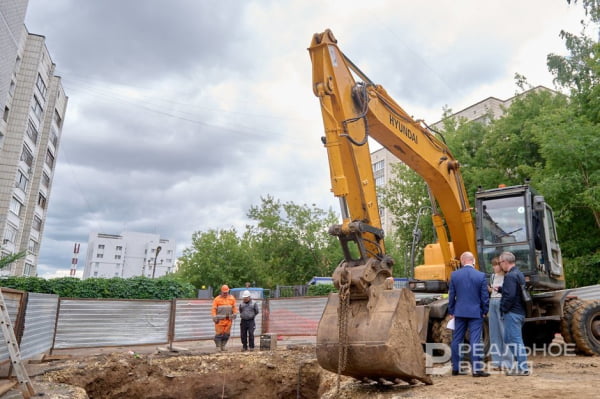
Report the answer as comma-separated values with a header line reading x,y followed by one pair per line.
x,y
291,371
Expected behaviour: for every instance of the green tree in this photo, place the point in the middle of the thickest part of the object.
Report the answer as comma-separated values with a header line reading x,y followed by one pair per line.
x,y
292,241
406,197
8,259
580,70
218,257
569,143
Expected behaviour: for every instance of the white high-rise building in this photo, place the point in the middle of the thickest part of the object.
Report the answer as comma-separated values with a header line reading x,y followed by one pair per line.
x,y
129,254
33,105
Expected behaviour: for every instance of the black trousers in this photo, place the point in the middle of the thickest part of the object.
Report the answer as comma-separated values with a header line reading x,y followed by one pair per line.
x,y
247,330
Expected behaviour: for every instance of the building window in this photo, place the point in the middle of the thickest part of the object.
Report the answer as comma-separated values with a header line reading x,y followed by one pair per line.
x,y
26,156
57,118
378,165
10,234
45,180
169,252
37,109
32,132
49,158
15,206
100,246
95,274
28,271
37,223
41,201
169,260
99,255
379,181
41,85
119,248
21,181
53,137
11,90
117,256
32,246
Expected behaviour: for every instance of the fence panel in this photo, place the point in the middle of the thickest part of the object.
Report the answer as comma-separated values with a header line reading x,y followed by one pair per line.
x,y
295,316
12,299
97,322
193,320
40,318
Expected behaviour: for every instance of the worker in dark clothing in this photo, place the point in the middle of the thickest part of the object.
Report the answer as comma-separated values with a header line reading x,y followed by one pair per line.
x,y
248,310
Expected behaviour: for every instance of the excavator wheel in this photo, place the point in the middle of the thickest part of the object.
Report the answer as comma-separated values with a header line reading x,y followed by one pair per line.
x,y
566,320
585,327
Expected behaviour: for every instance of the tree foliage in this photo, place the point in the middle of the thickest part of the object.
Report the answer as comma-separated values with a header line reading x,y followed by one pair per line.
x,y
8,259
407,199
288,244
544,136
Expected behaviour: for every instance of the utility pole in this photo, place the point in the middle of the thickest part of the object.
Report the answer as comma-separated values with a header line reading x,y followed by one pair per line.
x,y
155,256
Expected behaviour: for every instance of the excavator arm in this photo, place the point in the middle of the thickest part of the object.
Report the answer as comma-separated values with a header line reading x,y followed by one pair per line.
x,y
369,329
353,111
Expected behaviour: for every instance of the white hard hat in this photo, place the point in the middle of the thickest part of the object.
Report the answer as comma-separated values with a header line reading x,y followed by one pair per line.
x,y
246,294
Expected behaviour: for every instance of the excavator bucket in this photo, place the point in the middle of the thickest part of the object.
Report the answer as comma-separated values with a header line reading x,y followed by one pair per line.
x,y
381,341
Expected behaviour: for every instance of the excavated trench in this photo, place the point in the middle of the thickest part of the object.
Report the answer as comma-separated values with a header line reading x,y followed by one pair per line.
x,y
282,374
288,373
278,374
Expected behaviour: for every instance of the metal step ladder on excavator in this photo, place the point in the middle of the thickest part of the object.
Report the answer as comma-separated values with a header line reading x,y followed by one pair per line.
x,y
13,349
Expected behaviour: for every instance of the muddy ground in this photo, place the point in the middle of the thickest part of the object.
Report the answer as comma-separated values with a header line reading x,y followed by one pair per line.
x,y
291,371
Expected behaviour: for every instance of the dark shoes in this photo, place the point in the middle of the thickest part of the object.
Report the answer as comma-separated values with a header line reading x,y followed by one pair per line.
x,y
517,373
461,372
481,374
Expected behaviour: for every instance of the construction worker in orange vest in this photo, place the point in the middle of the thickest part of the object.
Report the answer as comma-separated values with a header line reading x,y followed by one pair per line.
x,y
223,313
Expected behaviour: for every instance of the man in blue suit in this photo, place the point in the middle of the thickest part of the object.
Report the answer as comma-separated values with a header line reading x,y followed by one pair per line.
x,y
468,303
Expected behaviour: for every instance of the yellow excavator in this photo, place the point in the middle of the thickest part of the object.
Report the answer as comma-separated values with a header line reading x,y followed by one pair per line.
x,y
371,330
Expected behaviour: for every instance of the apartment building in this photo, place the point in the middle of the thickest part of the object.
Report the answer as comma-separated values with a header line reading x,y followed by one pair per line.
x,y
33,105
129,254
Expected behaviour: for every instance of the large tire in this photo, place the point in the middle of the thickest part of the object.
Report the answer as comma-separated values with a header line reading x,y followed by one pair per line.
x,y
586,327
567,319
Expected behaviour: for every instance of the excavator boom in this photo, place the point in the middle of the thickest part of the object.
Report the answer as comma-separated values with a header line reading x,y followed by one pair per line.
x,y
370,330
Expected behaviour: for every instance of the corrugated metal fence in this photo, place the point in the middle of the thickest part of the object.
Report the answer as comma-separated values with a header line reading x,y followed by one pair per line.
x,y
44,322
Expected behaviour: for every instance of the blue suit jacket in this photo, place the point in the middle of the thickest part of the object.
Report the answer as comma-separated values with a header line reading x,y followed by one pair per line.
x,y
468,296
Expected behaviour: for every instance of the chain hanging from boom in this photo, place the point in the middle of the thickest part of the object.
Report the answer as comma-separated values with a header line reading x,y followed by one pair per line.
x,y
343,308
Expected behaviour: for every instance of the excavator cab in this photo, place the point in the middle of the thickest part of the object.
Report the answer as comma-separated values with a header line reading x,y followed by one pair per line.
x,y
517,220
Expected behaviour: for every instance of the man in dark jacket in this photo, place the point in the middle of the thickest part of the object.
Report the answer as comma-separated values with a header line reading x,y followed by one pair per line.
x,y
513,313
468,303
248,311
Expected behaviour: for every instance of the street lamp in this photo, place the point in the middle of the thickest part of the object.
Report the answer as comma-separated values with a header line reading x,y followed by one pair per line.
x,y
155,256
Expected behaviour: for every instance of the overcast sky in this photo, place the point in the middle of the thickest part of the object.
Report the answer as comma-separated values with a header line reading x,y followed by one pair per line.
x,y
183,113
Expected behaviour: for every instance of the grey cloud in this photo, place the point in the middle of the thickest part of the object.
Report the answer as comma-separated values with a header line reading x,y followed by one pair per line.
x,y
132,40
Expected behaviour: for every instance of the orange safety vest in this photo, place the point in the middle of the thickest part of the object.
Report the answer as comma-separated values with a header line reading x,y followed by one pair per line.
x,y
224,325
